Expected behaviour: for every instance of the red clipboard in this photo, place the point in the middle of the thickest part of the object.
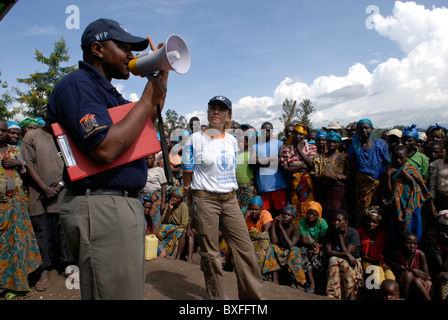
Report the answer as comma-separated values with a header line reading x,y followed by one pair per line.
x,y
80,165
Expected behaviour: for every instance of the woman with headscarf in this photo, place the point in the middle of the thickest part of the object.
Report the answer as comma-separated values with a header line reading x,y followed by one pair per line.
x,y
435,133
369,157
284,251
331,172
297,163
312,233
374,246
14,133
319,141
416,158
19,250
174,221
258,222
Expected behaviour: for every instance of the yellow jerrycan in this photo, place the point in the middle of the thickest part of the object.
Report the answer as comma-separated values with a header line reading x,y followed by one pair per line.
x,y
151,244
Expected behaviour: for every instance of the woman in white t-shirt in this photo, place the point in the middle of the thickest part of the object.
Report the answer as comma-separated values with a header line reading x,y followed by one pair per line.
x,y
209,177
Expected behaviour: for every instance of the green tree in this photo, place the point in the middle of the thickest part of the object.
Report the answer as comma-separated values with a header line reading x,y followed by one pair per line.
x,y
42,83
305,110
5,101
173,120
290,112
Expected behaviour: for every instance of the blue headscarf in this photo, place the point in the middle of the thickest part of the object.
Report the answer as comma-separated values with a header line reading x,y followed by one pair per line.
x,y
411,131
13,125
334,136
355,141
437,127
40,121
290,208
320,133
256,200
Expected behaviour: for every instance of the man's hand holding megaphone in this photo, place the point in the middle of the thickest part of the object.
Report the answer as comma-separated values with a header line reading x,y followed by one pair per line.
x,y
156,88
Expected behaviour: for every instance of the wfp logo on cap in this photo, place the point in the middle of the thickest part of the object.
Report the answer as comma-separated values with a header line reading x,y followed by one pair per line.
x,y
101,36
220,98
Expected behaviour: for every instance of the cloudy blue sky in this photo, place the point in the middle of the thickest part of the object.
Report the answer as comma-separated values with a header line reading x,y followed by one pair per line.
x,y
391,67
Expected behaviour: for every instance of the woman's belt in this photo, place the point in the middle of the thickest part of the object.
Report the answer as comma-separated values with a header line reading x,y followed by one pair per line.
x,y
102,191
213,195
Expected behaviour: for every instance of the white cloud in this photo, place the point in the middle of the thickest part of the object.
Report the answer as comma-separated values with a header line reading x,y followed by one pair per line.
x,y
411,90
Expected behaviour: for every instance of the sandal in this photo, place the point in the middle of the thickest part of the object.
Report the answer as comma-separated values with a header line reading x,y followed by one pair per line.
x,y
307,290
16,295
42,285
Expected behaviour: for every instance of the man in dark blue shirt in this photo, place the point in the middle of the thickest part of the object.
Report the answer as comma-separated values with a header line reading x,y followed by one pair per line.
x,y
102,215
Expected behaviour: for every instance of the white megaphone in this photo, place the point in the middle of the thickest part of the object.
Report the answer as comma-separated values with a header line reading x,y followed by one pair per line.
x,y
174,55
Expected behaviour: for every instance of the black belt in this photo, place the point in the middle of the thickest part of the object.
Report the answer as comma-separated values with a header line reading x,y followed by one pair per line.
x,y
101,191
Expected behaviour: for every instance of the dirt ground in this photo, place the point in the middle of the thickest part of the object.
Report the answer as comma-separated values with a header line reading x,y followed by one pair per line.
x,y
168,279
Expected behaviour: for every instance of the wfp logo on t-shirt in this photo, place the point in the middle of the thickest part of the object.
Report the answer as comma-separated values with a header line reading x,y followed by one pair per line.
x,y
225,161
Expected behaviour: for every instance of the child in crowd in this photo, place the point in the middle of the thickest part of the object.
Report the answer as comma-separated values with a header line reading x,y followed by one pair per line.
x,y
411,268
405,194
434,151
374,245
390,290
284,251
312,233
344,273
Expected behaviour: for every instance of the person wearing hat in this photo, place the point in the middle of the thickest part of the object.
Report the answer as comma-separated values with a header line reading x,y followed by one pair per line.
x,y
334,126
209,178
297,164
174,223
46,190
332,173
416,158
393,138
102,214
14,133
284,250
369,158
28,124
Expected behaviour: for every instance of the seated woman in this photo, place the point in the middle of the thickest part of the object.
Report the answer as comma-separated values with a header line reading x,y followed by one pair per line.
x,y
258,222
312,233
174,222
411,268
284,251
374,246
344,272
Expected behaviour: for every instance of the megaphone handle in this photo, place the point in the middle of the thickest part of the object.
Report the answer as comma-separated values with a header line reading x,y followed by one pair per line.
x,y
165,153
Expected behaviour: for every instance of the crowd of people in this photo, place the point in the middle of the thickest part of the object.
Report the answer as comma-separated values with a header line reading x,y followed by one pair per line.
x,y
332,211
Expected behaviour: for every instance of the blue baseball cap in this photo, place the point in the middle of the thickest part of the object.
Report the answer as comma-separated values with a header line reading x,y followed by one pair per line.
x,y
222,100
106,29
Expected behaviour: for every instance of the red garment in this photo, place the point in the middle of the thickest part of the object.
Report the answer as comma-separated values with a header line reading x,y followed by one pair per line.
x,y
415,264
373,250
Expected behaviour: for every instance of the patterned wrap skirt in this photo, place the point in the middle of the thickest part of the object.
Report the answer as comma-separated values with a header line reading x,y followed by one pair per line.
x,y
19,250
